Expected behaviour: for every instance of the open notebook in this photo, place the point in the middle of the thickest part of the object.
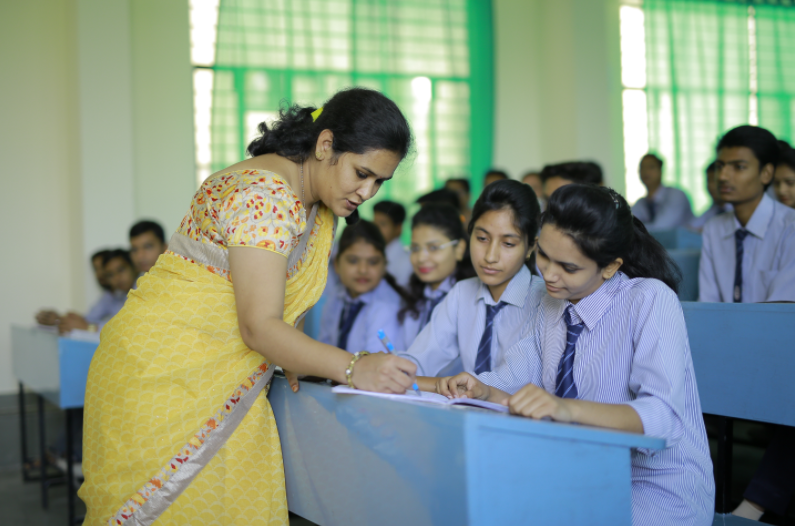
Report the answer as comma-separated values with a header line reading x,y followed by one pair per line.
x,y
424,397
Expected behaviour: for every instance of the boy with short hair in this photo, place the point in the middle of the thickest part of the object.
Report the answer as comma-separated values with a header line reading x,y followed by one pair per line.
x,y
748,256
664,207
147,242
389,217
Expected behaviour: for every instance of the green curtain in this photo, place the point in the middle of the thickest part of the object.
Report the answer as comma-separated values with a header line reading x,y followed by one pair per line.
x,y
432,57
699,80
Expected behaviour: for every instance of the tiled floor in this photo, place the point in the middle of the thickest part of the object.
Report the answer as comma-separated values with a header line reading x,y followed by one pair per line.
x,y
20,504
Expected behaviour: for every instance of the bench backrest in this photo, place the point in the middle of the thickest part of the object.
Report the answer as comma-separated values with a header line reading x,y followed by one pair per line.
x,y
744,359
687,259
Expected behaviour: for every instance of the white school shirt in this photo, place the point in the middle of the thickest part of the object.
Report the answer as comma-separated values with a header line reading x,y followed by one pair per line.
x,y
411,326
398,262
672,209
381,306
768,256
458,323
633,350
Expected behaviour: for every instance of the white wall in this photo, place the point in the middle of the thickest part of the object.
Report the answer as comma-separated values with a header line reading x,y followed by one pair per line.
x,y
96,104
557,85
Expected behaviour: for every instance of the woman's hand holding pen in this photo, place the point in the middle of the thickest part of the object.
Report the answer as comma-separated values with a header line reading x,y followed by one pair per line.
x,y
384,373
463,385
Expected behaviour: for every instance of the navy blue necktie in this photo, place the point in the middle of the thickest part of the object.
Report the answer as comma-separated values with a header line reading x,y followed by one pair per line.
x,y
566,388
483,360
652,206
433,303
739,236
349,314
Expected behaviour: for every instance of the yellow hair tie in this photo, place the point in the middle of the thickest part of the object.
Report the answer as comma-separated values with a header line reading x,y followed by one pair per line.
x,y
316,114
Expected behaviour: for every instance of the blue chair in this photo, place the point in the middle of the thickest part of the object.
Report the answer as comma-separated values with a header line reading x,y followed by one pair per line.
x,y
688,260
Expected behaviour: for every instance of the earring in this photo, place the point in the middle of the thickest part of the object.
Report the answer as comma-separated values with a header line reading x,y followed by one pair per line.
x,y
318,156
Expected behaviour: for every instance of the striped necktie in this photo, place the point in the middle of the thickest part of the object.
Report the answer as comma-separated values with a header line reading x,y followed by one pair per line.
x,y
566,388
483,360
432,305
349,314
739,236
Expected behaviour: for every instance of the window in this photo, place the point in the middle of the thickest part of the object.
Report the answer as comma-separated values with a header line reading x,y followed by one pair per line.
x,y
250,55
691,70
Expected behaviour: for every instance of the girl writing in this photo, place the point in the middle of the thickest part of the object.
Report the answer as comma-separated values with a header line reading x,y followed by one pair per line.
x,y
610,349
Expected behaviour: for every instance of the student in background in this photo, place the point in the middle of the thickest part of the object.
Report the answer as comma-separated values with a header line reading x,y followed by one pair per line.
x,y
440,196
147,242
533,178
718,206
461,188
369,297
553,176
440,259
784,176
748,256
120,275
494,175
610,349
664,207
480,318
389,216
51,317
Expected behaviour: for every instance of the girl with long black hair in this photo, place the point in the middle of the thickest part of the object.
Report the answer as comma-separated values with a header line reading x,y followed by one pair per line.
x,y
610,349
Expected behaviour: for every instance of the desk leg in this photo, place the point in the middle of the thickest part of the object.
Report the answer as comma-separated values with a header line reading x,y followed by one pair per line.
x,y
42,451
23,435
70,473
723,466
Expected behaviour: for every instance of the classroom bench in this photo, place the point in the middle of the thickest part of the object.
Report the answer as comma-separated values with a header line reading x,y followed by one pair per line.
x,y
55,369
357,460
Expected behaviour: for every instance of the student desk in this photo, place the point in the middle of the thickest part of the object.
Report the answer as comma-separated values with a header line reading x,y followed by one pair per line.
x,y
56,369
357,460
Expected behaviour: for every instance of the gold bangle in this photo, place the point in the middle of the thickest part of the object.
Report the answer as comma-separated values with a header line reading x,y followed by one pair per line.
x,y
349,370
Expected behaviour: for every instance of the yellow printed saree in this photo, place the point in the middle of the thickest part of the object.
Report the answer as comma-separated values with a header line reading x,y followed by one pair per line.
x,y
177,428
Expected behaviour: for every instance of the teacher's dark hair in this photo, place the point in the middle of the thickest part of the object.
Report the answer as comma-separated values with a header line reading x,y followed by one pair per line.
x,y
361,120
601,224
369,233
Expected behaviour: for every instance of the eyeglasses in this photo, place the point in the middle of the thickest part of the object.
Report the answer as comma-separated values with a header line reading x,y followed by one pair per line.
x,y
431,249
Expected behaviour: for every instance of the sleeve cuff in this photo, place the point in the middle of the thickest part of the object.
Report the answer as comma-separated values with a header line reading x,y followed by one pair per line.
x,y
657,420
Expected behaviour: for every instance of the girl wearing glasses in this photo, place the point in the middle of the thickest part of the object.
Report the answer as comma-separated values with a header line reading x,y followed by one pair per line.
x,y
480,318
440,259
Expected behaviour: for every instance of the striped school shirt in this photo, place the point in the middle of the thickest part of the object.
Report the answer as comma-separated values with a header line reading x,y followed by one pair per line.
x,y
458,322
633,350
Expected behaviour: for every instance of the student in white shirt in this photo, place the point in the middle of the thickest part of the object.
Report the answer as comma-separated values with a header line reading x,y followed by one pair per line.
x,y
480,318
748,256
610,349
389,216
784,176
368,299
718,206
440,259
664,207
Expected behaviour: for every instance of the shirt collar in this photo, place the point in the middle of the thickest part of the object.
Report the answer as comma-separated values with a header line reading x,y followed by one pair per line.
x,y
590,309
443,288
365,298
515,293
760,219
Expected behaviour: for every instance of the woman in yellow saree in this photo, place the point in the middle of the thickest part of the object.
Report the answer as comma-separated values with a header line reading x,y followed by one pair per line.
x,y
177,427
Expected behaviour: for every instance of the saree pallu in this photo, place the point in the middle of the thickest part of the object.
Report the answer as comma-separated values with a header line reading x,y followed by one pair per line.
x,y
177,427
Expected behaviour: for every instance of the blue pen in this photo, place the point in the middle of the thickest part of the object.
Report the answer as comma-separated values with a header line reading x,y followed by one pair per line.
x,y
390,349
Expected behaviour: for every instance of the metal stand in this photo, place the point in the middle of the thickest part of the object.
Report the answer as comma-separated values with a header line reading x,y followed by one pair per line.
x,y
27,462
723,466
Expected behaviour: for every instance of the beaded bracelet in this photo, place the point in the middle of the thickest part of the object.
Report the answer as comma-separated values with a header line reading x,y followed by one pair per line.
x,y
349,370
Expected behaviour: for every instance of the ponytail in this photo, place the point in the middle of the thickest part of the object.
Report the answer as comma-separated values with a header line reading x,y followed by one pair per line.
x,y
601,224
